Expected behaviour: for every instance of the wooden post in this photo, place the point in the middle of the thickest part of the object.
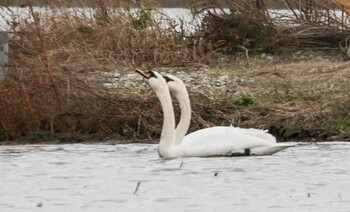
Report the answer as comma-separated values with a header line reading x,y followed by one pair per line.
x,y
4,49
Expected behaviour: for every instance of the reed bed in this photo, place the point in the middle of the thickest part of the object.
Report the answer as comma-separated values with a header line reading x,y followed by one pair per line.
x,y
248,26
51,53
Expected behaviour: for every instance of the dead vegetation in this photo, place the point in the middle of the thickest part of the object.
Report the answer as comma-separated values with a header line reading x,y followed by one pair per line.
x,y
248,26
44,90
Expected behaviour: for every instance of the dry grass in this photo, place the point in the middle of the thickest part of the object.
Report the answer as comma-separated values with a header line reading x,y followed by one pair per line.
x,y
51,52
43,90
248,26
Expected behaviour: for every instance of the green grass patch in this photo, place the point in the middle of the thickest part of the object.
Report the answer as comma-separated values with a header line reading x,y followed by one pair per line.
x,y
85,30
342,125
243,99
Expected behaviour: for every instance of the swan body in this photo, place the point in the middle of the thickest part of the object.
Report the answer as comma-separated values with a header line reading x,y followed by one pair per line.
x,y
236,141
178,89
209,142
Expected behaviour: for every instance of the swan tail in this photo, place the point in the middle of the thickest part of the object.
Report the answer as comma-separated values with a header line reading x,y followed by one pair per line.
x,y
270,150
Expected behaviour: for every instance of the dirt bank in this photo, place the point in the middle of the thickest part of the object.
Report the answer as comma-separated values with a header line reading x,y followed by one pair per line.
x,y
302,98
295,98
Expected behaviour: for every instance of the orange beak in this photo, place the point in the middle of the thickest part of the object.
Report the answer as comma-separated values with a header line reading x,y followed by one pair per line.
x,y
145,74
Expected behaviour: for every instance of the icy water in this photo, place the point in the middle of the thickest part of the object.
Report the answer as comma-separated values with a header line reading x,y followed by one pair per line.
x,y
180,15
311,177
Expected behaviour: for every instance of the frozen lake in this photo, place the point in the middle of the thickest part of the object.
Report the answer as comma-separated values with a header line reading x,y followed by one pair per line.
x,y
78,177
8,15
18,14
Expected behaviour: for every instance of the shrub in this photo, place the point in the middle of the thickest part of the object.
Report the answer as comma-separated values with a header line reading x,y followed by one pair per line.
x,y
243,99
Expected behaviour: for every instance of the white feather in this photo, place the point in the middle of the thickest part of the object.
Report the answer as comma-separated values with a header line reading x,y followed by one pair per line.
x,y
208,142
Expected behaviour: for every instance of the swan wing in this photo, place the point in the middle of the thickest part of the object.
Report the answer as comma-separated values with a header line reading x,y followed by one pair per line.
x,y
230,133
259,133
224,141
228,141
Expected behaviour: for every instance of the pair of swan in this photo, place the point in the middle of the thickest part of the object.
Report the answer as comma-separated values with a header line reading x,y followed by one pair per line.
x,y
208,142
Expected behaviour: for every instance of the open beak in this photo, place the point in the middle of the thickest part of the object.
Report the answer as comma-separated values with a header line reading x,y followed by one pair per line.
x,y
145,74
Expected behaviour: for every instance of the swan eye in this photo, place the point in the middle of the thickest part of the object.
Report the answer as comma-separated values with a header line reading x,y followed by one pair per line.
x,y
168,79
152,74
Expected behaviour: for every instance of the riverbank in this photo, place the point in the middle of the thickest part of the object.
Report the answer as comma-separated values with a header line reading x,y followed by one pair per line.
x,y
304,97
70,74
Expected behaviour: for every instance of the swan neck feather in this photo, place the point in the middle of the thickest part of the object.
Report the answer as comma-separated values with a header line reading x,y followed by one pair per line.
x,y
167,138
185,119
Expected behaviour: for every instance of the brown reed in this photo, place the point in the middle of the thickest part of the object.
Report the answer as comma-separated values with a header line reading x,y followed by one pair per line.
x,y
52,53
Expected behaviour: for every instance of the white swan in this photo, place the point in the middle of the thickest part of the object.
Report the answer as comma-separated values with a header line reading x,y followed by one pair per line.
x,y
178,88
215,141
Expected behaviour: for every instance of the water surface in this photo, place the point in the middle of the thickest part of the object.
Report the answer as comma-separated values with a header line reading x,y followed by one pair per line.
x,y
312,177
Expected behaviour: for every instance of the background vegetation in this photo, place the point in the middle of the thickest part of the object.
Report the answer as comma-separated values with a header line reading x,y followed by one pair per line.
x,y
162,3
52,54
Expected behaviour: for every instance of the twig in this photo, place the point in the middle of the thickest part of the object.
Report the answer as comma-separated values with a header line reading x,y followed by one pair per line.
x,y
181,164
137,187
201,120
246,53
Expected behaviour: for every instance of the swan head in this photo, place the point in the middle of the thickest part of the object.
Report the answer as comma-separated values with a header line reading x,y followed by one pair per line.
x,y
155,80
175,84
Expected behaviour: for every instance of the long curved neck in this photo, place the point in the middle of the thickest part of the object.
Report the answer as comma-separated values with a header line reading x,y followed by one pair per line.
x,y
167,138
185,119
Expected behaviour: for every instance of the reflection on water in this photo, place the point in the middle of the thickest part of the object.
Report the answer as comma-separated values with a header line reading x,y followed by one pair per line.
x,y
312,177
